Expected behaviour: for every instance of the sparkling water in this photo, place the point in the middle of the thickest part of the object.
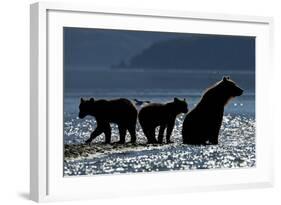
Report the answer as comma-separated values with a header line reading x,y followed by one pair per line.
x,y
236,148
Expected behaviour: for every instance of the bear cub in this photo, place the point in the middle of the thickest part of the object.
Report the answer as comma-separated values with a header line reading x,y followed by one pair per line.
x,y
163,115
202,124
119,111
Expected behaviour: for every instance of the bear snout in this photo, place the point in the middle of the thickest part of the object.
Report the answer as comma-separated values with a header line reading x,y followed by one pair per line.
x,y
240,92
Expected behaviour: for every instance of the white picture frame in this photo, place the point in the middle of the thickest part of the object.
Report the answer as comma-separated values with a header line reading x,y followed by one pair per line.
x,y
46,163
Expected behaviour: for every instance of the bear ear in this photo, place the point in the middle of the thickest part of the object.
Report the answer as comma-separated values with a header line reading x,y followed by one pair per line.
x,y
184,99
226,78
82,100
92,100
176,99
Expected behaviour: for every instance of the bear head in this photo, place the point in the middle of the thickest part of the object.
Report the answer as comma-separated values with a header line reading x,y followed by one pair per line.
x,y
180,105
228,89
85,106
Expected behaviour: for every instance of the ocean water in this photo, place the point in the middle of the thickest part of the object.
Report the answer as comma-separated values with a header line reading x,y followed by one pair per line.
x,y
236,148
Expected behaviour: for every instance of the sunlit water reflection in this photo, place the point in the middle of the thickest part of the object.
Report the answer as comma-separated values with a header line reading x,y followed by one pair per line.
x,y
236,149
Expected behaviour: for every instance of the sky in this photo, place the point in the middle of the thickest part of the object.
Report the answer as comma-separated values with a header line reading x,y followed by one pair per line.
x,y
100,58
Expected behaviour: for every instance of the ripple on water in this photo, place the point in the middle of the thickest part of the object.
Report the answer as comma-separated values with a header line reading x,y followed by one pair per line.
x,y
236,149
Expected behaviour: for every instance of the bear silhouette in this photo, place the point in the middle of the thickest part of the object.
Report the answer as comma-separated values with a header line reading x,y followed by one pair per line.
x,y
202,124
119,111
163,115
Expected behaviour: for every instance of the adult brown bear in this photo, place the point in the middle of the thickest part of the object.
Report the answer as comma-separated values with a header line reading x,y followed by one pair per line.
x,y
163,115
120,111
202,124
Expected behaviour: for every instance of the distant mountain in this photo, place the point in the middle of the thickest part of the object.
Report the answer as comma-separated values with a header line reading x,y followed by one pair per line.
x,y
204,52
93,48
97,47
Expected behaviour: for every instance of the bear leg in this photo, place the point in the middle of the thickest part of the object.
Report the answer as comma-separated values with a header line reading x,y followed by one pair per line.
x,y
192,135
193,141
150,134
107,133
161,134
95,133
148,129
132,131
214,140
215,136
122,134
170,128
